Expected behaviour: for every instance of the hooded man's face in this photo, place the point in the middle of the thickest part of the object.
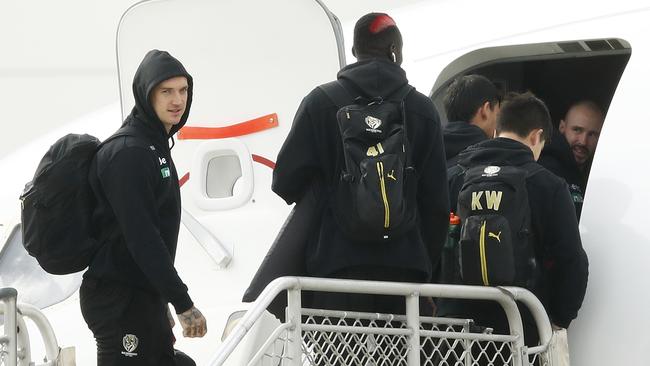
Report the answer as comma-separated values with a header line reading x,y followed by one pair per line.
x,y
581,128
169,100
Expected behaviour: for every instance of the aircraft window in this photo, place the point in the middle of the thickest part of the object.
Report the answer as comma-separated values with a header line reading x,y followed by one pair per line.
x,y
223,173
22,272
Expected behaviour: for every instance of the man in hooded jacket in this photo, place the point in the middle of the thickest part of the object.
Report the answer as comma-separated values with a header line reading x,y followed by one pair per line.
x,y
130,281
472,105
313,152
523,127
572,148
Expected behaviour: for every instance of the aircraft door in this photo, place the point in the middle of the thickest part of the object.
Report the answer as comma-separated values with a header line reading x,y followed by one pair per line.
x,y
252,62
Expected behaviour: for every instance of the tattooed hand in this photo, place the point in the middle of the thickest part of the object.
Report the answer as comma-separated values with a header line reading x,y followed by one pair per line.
x,y
193,323
172,323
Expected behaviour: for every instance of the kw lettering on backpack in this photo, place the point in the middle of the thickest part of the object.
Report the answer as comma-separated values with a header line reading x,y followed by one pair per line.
x,y
495,246
374,200
57,204
492,200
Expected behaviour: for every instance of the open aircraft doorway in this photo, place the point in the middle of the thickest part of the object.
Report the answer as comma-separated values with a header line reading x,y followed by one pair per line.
x,y
559,73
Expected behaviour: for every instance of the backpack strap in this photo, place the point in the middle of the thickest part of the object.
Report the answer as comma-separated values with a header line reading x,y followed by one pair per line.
x,y
126,131
337,93
340,94
401,93
455,173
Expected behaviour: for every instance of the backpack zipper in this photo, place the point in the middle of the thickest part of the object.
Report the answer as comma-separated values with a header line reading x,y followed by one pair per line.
x,y
484,271
382,186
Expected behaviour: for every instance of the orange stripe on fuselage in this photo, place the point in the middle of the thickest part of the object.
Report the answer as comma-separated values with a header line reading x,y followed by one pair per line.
x,y
239,129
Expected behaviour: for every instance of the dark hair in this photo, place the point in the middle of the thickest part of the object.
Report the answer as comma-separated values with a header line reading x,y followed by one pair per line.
x,y
374,33
467,94
523,113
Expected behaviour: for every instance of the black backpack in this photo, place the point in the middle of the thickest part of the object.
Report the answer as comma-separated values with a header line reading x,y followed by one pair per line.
x,y
374,199
57,205
496,246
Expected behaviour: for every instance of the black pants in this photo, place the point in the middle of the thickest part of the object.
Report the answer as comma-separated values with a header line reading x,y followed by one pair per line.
x,y
130,325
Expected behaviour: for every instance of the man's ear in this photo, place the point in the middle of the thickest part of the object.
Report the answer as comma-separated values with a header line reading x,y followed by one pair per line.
x,y
562,126
483,111
535,137
354,52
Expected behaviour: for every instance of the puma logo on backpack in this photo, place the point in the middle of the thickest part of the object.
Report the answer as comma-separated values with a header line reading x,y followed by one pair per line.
x,y
374,199
496,246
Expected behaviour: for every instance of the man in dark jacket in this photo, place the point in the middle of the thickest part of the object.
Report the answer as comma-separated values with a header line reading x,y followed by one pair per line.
x,y
572,148
125,292
472,105
522,128
313,152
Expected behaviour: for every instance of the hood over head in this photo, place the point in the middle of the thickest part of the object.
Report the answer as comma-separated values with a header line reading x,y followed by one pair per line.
x,y
498,151
156,67
459,135
374,77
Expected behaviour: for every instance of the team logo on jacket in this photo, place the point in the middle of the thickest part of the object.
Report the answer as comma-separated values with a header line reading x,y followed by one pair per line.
x,y
373,123
576,193
165,172
491,171
130,343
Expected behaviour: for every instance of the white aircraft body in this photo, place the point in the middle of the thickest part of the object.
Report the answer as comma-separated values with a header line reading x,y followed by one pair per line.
x,y
253,61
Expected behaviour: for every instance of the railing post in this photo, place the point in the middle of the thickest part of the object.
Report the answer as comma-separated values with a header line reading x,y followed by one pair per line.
x,y
8,299
294,345
467,344
413,323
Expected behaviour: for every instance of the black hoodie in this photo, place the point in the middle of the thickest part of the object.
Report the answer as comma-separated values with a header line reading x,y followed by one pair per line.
x,y
558,158
135,182
459,135
554,225
313,147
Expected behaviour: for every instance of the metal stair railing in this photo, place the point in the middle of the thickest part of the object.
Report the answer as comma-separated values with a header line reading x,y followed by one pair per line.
x,y
8,341
15,346
403,340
